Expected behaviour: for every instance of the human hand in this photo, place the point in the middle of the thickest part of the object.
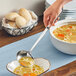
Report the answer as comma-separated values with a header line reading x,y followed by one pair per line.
x,y
53,11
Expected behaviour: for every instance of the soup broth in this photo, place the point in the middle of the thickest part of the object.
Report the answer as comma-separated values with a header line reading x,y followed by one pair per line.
x,y
26,61
66,33
37,70
29,67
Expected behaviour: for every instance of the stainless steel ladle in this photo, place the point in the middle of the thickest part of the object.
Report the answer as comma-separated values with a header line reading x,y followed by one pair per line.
x,y
24,53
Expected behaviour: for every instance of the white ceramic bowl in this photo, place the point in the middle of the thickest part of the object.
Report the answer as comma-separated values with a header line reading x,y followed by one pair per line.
x,y
65,47
38,61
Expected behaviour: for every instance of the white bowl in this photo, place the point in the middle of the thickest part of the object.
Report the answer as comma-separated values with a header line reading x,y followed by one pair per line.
x,y
65,47
38,61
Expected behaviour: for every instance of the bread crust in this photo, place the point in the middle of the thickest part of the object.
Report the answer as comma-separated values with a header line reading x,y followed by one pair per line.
x,y
12,24
25,13
20,22
11,16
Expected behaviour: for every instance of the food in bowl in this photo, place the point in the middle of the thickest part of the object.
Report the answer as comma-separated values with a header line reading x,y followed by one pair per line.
x,y
66,33
25,70
26,61
29,67
61,45
38,68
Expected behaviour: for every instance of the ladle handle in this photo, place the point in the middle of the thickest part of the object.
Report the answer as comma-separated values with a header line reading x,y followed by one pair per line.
x,y
41,36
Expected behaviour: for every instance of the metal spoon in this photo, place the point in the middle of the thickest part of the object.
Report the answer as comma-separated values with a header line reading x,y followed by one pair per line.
x,y
24,53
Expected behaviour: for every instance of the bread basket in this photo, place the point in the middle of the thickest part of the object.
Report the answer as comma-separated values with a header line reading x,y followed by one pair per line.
x,y
20,31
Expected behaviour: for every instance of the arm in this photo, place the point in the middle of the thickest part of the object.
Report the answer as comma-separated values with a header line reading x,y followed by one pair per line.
x,y
53,11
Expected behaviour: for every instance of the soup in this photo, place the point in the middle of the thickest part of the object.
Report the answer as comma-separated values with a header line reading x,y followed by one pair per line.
x,y
26,61
66,33
37,70
30,69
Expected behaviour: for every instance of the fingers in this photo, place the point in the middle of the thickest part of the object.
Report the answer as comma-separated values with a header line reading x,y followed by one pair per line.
x,y
46,18
52,21
52,18
57,19
45,21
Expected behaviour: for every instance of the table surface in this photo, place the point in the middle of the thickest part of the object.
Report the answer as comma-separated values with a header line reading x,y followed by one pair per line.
x,y
66,70
6,39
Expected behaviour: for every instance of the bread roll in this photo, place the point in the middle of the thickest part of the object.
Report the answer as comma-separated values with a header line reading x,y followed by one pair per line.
x,y
25,13
12,24
33,15
11,16
20,22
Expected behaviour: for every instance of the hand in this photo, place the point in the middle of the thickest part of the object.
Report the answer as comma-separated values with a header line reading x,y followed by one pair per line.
x,y
53,11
